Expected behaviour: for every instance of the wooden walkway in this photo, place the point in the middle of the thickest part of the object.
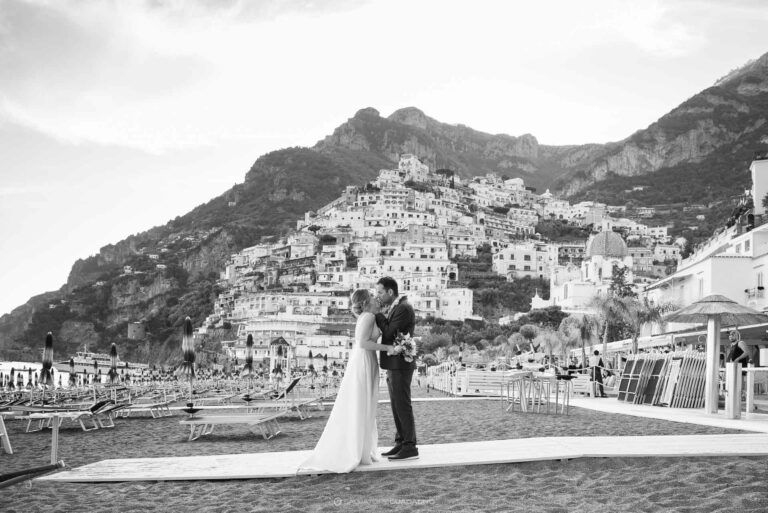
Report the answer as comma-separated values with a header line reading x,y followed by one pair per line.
x,y
284,464
748,422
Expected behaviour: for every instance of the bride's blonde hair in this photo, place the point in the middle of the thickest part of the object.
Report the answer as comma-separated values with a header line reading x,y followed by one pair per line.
x,y
359,300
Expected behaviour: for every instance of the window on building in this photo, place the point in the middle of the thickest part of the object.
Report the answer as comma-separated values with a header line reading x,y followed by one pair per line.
x,y
527,268
747,245
527,258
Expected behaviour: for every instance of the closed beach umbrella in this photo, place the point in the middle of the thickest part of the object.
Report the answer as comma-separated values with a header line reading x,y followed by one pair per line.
x,y
72,375
29,378
45,375
714,310
188,349
113,363
248,367
11,384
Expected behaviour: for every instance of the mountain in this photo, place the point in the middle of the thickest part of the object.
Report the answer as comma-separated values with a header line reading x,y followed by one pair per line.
x,y
698,152
460,148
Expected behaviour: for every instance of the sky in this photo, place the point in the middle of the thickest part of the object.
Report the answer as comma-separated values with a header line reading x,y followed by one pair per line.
x,y
119,116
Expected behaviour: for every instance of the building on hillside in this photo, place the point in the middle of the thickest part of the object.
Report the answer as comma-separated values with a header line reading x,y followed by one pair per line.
x,y
523,216
642,259
412,168
414,234
666,253
570,252
532,259
461,240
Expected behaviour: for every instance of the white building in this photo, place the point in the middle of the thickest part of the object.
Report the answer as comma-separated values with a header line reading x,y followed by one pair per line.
x,y
574,289
532,259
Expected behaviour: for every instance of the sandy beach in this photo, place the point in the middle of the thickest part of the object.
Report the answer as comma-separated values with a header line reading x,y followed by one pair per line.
x,y
595,485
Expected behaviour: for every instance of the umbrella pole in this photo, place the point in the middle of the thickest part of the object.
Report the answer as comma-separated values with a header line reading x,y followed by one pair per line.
x,y
713,363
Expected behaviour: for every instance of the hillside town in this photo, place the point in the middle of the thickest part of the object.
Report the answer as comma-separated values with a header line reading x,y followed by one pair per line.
x,y
415,224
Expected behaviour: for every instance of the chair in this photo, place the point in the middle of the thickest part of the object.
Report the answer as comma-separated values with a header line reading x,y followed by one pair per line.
x,y
583,384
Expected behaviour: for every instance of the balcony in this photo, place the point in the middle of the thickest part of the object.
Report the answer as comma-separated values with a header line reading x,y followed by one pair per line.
x,y
755,293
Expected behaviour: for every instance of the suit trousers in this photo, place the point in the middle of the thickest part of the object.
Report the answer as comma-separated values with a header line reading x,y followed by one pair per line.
x,y
399,385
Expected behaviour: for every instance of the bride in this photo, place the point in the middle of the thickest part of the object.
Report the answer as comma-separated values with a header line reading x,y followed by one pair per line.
x,y
350,437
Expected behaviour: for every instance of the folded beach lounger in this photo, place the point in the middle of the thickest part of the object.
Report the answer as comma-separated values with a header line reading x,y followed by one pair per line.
x,y
202,425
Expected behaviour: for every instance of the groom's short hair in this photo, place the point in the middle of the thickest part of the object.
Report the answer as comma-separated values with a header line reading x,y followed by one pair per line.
x,y
388,284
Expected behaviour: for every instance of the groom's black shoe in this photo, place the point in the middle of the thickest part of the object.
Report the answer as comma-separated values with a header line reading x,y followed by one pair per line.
x,y
394,450
406,453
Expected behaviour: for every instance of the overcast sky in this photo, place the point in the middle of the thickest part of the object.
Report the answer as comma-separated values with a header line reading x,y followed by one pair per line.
x,y
118,116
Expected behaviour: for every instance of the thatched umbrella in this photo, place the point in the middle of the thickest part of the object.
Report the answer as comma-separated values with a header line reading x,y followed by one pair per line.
x,y
714,310
113,363
187,368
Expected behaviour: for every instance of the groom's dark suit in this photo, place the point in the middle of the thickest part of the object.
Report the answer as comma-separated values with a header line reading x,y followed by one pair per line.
x,y
401,319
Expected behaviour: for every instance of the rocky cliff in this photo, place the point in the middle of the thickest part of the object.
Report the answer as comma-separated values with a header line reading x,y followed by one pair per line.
x,y
727,118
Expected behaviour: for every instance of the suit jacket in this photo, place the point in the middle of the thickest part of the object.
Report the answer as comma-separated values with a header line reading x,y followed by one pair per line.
x,y
401,319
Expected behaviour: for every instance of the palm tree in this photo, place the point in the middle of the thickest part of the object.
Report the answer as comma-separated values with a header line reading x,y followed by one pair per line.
x,y
580,329
609,308
640,312
551,341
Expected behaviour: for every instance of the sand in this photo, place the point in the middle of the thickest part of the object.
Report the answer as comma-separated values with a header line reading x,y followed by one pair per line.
x,y
594,485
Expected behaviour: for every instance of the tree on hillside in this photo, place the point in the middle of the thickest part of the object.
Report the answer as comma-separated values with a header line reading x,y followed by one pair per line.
x,y
529,332
619,286
551,317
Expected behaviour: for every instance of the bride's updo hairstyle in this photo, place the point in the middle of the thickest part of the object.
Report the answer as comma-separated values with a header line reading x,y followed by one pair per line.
x,y
359,300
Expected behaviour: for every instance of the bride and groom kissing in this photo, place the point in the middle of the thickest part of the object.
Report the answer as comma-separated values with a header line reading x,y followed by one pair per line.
x,y
350,437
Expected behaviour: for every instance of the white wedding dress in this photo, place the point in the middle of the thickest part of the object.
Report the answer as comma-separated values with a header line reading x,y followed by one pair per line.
x,y
350,437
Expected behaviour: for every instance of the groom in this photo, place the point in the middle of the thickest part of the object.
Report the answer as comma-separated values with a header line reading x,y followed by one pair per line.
x,y
398,317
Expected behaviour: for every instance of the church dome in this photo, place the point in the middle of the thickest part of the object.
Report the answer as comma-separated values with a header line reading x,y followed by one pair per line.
x,y
607,244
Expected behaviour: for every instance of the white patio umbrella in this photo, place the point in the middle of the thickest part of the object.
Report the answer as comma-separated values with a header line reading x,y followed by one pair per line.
x,y
714,310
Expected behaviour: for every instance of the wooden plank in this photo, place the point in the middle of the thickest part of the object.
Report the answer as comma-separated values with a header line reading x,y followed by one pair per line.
x,y
285,464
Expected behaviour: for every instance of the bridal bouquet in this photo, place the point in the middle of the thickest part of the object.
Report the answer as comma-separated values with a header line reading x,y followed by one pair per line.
x,y
406,346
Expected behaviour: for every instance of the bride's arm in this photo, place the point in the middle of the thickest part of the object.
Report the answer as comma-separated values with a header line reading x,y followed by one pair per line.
x,y
367,327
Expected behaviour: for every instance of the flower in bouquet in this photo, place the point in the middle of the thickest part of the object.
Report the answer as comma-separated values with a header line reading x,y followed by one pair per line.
x,y
406,346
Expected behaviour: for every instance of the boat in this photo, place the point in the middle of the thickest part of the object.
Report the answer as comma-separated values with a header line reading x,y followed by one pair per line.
x,y
84,363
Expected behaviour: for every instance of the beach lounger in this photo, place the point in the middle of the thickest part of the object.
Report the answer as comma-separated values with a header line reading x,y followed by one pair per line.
x,y
98,416
157,410
204,424
287,402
